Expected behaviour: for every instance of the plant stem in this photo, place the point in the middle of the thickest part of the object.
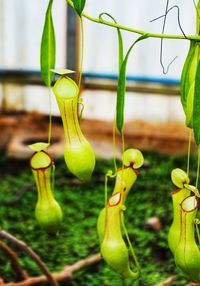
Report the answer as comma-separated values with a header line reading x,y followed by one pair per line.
x,y
14,261
130,245
198,166
64,275
31,254
197,17
123,145
114,144
106,190
82,52
197,230
189,151
133,30
50,117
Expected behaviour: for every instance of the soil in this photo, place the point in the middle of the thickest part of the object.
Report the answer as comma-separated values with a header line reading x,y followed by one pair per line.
x,y
19,130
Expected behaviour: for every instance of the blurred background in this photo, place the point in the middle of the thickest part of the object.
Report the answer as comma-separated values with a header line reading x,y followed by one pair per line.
x,y
154,123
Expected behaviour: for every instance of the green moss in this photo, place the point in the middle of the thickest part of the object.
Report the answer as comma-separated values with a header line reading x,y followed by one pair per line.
x,y
81,204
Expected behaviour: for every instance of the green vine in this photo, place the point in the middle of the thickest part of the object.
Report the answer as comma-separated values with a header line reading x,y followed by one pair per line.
x,y
133,30
82,52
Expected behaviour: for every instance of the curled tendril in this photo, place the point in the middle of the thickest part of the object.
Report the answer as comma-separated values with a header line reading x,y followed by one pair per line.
x,y
197,223
108,15
109,174
81,104
167,10
120,40
192,189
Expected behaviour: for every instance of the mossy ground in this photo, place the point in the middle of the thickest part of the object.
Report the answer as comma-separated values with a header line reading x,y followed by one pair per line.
x,y
81,204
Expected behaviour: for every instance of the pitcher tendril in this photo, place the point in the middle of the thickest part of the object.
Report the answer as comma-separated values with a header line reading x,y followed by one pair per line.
x,y
109,174
197,223
114,144
130,245
198,166
189,151
50,117
82,52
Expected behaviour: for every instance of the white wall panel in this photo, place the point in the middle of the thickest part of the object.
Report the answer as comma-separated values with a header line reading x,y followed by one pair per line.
x,y
101,41
151,108
21,23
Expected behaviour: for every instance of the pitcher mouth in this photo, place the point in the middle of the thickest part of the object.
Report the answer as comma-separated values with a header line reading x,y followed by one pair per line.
x,y
130,166
185,186
189,204
65,88
175,192
115,199
42,167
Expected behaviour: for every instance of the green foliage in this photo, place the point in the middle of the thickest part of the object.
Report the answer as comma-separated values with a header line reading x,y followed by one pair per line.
x,y
81,204
48,47
79,6
185,83
121,87
120,40
196,113
189,89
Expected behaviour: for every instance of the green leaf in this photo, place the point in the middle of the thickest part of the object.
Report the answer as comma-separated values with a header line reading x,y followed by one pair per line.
x,y
189,106
120,47
79,6
120,41
48,47
196,106
185,82
121,88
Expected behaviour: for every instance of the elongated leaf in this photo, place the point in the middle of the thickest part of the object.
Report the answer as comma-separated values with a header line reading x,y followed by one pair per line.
x,y
120,41
120,47
48,47
121,88
79,6
196,107
185,83
189,107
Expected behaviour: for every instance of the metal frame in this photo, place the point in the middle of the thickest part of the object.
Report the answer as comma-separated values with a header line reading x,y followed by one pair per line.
x,y
94,81
72,39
